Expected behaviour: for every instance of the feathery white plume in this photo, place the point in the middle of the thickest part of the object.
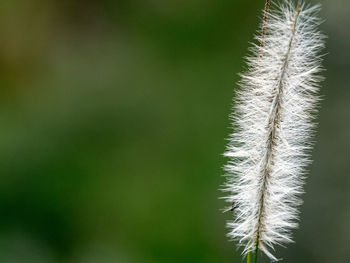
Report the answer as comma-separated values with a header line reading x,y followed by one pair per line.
x,y
273,123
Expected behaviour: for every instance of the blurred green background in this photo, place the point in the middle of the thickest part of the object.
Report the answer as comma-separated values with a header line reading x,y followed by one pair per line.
x,y
113,119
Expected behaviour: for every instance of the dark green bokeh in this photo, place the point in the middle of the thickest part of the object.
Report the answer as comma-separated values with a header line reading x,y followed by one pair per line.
x,y
113,119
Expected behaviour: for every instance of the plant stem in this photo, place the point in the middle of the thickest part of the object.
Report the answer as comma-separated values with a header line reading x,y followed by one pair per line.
x,y
256,254
263,33
274,119
249,257
263,30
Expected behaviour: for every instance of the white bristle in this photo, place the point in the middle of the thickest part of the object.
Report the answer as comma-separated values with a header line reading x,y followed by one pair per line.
x,y
273,124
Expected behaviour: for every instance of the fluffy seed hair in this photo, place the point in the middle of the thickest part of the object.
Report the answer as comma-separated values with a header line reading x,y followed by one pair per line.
x,y
273,124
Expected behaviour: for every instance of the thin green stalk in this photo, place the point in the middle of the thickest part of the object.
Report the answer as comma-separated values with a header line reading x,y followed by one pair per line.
x,y
256,254
249,257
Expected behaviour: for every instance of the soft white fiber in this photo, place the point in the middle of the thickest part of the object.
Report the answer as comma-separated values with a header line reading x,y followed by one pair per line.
x,y
273,121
